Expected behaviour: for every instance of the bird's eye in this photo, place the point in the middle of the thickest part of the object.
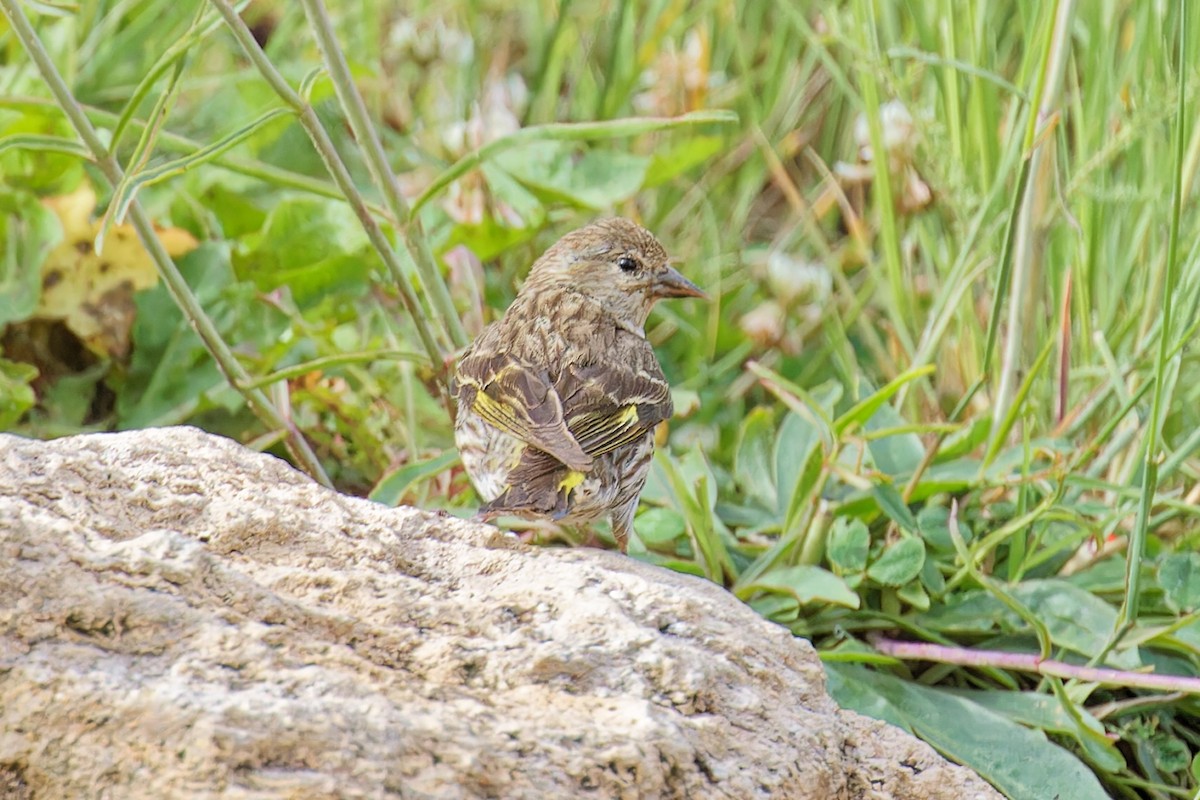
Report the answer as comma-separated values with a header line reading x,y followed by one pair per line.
x,y
628,264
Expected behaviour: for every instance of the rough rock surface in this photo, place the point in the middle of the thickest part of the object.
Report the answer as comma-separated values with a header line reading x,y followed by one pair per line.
x,y
181,617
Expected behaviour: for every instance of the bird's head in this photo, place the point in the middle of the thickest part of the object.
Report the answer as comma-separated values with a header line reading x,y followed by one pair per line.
x,y
617,263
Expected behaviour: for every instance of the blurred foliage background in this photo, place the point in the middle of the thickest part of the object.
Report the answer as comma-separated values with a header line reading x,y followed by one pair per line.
x,y
943,397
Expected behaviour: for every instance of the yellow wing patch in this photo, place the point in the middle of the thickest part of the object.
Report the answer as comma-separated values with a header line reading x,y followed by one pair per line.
x,y
628,416
571,480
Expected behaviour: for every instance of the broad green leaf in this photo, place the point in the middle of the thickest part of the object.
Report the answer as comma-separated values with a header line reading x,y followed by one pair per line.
x,y
915,595
1046,711
794,445
28,233
597,179
489,238
892,504
1020,762
16,394
172,375
508,190
691,152
900,563
849,544
1179,576
815,407
972,613
950,478
807,584
42,170
1171,754
553,135
392,487
752,467
1075,619
898,454
657,526
932,578
933,523
311,245
779,608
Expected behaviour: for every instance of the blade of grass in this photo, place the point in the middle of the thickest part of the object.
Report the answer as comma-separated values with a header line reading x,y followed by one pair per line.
x,y
1128,612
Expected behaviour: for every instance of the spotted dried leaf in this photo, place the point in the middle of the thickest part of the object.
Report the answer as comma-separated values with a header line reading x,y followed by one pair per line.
x,y
92,293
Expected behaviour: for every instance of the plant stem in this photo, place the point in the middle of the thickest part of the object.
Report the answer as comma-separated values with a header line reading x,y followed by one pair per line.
x,y
341,176
409,231
233,371
1024,256
1032,662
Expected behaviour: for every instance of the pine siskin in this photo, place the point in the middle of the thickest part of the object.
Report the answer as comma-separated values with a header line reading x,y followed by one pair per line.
x,y
558,401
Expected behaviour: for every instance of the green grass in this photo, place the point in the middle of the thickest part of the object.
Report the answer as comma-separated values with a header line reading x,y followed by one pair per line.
x,y
942,397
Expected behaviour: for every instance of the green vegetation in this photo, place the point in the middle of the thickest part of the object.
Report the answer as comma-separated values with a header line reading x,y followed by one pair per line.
x,y
940,416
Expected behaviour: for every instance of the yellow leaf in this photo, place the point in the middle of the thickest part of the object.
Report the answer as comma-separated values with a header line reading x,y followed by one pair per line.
x,y
92,293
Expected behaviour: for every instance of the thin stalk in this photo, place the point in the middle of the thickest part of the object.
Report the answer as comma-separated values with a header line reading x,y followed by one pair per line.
x,y
409,232
1024,256
1137,536
341,176
233,371
1034,663
175,143
899,303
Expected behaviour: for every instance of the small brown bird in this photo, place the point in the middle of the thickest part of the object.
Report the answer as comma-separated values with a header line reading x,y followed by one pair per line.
x,y
558,401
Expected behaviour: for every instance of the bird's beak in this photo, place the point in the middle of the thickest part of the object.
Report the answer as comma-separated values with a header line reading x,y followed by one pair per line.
x,y
671,283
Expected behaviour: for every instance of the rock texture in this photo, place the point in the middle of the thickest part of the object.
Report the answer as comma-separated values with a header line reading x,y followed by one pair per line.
x,y
180,617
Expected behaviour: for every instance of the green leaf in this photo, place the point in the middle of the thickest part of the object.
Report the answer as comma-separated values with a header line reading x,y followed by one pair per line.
x,y
933,523
1075,619
1047,712
315,247
849,545
550,136
509,191
752,467
392,487
172,375
691,152
900,562
597,179
28,232
964,441
488,239
1021,763
1179,576
915,595
776,607
1170,753
898,454
864,409
43,170
892,504
16,394
972,613
804,583
658,526
798,438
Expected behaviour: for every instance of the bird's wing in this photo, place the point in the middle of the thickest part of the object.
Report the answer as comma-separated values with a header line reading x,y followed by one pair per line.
x,y
520,400
613,404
